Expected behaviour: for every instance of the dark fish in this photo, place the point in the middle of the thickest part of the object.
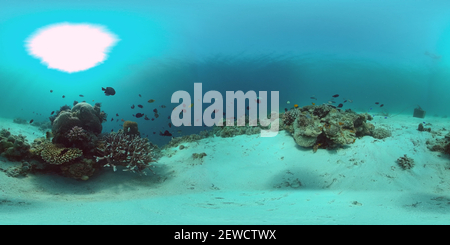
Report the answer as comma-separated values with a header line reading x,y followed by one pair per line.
x,y
51,91
140,95
156,115
153,119
31,121
313,98
117,114
112,130
132,107
146,118
336,95
340,105
112,119
285,109
168,117
376,103
163,106
154,132
381,105
138,115
155,111
166,133
81,95
151,101
52,112
117,120
140,106
109,91
248,107
170,125
75,102
64,96
345,101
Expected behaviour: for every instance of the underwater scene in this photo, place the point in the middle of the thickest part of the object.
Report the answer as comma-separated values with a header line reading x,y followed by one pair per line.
x,y
225,112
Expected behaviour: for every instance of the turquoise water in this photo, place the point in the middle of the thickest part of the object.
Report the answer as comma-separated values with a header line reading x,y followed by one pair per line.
x,y
394,52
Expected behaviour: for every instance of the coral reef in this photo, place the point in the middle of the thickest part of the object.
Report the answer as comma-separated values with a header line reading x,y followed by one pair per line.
x,y
131,128
77,133
84,116
58,154
325,126
13,147
120,149
439,144
405,162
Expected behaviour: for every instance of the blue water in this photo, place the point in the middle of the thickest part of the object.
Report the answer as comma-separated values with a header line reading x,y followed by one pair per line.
x,y
365,51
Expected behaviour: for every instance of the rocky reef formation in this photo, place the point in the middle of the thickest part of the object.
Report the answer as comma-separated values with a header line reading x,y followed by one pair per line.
x,y
325,126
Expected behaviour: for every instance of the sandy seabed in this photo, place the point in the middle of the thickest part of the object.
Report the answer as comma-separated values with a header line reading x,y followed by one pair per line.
x,y
249,180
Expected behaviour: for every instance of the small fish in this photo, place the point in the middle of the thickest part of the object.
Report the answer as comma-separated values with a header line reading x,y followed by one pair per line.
x,y
168,117
112,119
117,114
52,113
377,103
75,102
295,105
288,102
31,121
153,119
117,120
151,101
248,107
109,91
192,104
154,132
156,115
381,105
81,95
122,120
140,95
140,106
51,91
48,135
313,103
112,130
163,106
132,107
138,115
146,118
336,95
155,110
313,98
340,105
170,125
166,133
285,109
345,101
64,96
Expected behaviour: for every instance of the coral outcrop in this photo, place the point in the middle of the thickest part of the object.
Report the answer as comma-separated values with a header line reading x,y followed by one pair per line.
x,y
78,126
131,128
405,162
325,126
120,149
13,147
58,154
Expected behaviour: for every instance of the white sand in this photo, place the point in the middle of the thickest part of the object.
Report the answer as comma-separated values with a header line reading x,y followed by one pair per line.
x,y
249,180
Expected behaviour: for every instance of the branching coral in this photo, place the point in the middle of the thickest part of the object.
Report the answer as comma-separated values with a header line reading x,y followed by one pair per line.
x,y
77,133
130,151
